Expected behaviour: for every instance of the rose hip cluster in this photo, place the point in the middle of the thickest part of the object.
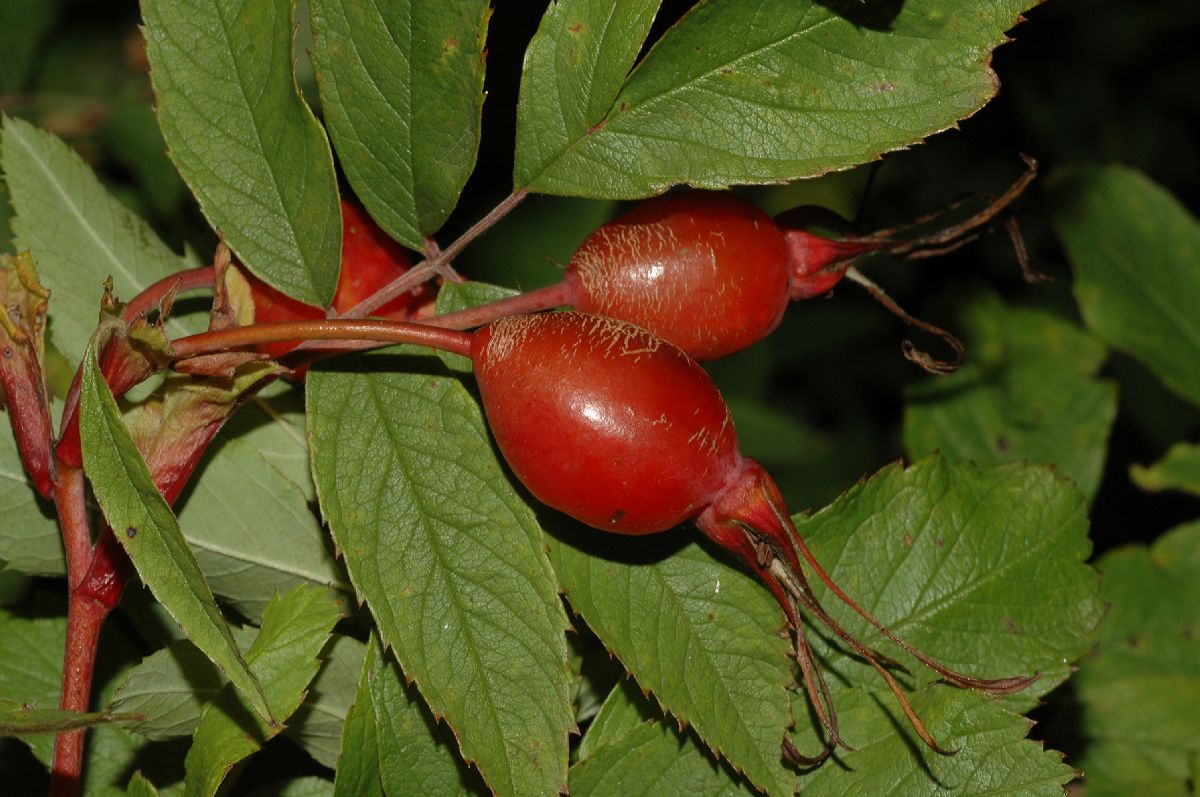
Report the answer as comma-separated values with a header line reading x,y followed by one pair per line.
x,y
603,412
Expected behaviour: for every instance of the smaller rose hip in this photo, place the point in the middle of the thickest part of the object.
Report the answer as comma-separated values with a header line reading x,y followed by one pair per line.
x,y
370,260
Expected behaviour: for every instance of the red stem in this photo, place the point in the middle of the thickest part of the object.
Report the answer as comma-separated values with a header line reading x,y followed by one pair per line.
x,y
323,329
96,577
84,619
561,293
89,604
70,504
436,265
189,280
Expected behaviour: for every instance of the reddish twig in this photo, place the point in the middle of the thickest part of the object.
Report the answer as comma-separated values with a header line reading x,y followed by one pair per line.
x,y
367,330
149,299
83,626
436,265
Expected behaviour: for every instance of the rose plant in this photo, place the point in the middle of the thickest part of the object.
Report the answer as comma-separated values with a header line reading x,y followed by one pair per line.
x,y
365,552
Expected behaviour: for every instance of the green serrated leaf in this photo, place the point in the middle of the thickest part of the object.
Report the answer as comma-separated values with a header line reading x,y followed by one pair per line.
x,y
78,233
30,541
243,138
745,91
1028,392
666,611
993,757
169,689
31,667
1140,692
416,755
150,534
274,427
982,569
448,558
318,724
1133,250
1178,470
295,627
573,71
623,711
647,757
358,763
402,92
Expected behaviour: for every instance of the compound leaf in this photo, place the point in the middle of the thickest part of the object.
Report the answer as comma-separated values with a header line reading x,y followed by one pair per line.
x,y
745,91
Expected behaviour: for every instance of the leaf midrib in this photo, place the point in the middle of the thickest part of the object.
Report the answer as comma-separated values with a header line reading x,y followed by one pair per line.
x,y
481,683
52,180
662,95
262,148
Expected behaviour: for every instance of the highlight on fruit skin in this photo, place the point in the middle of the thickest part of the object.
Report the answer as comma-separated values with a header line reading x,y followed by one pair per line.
x,y
707,271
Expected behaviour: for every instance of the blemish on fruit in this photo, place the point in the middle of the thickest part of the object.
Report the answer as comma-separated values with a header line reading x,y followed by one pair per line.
x,y
617,517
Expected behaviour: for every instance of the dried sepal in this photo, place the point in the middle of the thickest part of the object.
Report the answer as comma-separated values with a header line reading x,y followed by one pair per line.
x,y
23,304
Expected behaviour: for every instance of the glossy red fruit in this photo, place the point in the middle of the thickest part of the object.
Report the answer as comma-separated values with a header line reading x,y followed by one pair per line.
x,y
370,260
604,421
707,271
621,430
